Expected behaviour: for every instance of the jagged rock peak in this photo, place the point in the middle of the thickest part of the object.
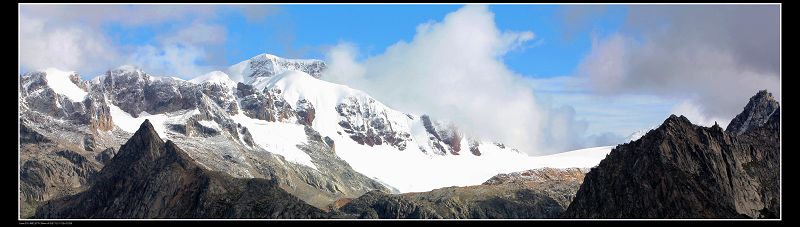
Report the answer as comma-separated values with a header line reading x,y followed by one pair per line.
x,y
757,111
687,171
674,121
145,142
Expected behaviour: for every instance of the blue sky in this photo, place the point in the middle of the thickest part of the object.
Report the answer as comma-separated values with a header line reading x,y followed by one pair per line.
x,y
601,71
305,31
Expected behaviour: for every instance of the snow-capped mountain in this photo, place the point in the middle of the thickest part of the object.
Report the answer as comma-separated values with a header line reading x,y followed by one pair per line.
x,y
270,117
267,65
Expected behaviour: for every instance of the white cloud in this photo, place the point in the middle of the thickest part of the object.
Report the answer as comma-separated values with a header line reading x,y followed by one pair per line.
x,y
694,113
713,61
343,67
453,70
72,47
170,60
181,52
197,33
128,15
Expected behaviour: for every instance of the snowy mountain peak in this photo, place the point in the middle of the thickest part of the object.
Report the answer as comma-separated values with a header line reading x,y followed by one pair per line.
x,y
127,71
297,85
268,65
215,77
266,56
127,68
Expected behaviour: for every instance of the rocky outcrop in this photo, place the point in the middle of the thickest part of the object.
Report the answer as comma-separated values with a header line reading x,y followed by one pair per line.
x,y
37,96
106,155
377,204
757,111
134,91
28,135
681,170
266,65
532,194
541,175
264,105
368,125
150,178
50,170
445,137
222,95
305,112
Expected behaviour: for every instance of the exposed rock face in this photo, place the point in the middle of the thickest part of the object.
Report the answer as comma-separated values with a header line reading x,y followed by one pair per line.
x,y
222,95
99,114
473,147
377,204
757,111
106,156
50,170
305,112
264,105
539,176
367,125
135,91
266,65
149,178
444,137
38,96
539,193
680,170
28,135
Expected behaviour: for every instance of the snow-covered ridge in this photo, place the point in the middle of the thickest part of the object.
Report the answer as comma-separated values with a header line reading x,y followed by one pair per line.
x,y
278,138
60,82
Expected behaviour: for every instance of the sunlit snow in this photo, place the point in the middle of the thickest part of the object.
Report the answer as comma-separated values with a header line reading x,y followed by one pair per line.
x,y
128,123
278,138
59,81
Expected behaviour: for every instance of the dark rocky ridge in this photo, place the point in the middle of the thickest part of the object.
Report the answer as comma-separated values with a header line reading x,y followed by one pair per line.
x,y
757,111
377,204
681,170
149,178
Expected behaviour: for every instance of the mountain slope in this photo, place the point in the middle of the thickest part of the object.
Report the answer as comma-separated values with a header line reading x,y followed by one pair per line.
x,y
149,178
320,141
200,115
681,170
